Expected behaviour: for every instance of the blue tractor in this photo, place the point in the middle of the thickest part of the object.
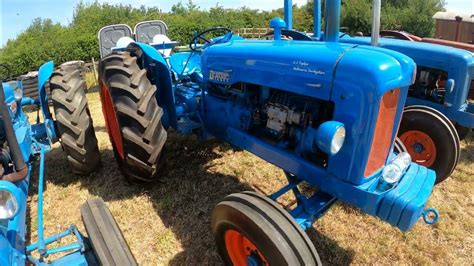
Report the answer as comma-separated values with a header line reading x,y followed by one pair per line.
x,y
439,110
23,147
326,113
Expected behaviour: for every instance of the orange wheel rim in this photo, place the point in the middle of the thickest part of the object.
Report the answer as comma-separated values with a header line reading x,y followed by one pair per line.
x,y
111,120
420,146
242,251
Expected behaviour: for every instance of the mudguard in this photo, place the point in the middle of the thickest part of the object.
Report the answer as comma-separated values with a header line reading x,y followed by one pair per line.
x,y
165,95
44,74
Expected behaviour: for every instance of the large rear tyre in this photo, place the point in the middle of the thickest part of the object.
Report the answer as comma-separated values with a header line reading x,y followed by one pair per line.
x,y
133,116
252,229
73,119
431,139
106,239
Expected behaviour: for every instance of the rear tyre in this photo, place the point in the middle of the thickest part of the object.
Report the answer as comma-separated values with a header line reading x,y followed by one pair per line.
x,y
105,237
73,120
430,139
133,117
252,229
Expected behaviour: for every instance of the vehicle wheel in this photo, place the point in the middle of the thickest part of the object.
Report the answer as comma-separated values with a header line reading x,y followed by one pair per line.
x,y
252,229
462,131
133,117
74,121
398,146
105,237
431,140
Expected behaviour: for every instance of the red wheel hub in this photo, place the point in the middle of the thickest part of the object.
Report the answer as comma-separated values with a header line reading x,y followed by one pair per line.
x,y
420,146
111,120
241,250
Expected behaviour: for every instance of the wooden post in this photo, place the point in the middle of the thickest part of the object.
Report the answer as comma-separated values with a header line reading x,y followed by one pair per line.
x,y
95,72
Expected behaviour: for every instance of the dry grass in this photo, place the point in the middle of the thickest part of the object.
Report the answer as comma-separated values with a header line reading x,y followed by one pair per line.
x,y
91,79
169,223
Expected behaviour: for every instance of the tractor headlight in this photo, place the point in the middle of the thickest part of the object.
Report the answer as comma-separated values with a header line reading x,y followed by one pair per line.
x,y
394,171
330,137
18,93
8,204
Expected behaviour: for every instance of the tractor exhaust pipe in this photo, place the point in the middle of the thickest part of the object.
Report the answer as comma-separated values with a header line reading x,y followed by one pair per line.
x,y
17,157
317,19
332,17
376,7
288,10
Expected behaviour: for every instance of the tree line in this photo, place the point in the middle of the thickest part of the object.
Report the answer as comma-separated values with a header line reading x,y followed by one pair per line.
x,y
44,40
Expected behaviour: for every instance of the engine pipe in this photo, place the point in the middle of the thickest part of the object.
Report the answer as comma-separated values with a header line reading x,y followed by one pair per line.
x,y
317,19
376,7
21,170
332,16
288,14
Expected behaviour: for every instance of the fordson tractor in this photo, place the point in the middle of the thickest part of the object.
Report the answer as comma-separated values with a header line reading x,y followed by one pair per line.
x,y
23,147
326,113
439,110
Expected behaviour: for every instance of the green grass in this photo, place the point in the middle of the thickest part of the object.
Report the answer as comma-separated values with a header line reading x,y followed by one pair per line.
x,y
169,222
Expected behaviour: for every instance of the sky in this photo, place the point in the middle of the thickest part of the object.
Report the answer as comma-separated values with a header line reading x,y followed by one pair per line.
x,y
16,15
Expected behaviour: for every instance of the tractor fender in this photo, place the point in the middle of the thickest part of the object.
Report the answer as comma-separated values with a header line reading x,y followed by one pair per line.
x,y
44,74
162,74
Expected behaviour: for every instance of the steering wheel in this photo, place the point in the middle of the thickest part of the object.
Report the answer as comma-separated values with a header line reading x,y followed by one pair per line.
x,y
195,47
5,72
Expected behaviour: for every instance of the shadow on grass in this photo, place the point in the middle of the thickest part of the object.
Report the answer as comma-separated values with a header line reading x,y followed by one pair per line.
x,y
467,153
184,200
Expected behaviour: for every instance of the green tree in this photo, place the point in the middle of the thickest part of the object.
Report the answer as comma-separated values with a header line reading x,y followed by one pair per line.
x,y
44,40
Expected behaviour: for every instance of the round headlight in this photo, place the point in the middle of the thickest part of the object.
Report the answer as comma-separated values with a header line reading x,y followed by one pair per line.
x,y
394,171
8,204
18,93
338,140
330,137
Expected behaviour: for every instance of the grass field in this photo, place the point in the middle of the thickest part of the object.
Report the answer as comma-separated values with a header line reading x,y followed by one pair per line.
x,y
169,222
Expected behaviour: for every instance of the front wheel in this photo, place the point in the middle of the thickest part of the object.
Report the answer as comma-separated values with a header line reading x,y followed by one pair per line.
x,y
431,140
104,235
250,229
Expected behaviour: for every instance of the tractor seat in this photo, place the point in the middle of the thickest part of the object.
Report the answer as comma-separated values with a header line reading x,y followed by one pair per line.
x,y
163,44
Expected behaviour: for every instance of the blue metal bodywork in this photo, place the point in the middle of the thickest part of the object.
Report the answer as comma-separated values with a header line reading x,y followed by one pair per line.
x,y
220,105
34,141
457,63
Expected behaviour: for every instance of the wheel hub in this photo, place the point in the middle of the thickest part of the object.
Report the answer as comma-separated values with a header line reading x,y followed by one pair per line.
x,y
420,146
242,251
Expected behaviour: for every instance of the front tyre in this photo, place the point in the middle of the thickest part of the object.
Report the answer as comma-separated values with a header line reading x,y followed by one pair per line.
x,y
431,140
133,116
73,119
252,229
108,244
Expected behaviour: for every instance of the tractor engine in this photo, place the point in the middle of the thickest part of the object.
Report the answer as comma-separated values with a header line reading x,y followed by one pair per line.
x,y
280,118
304,108
430,84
